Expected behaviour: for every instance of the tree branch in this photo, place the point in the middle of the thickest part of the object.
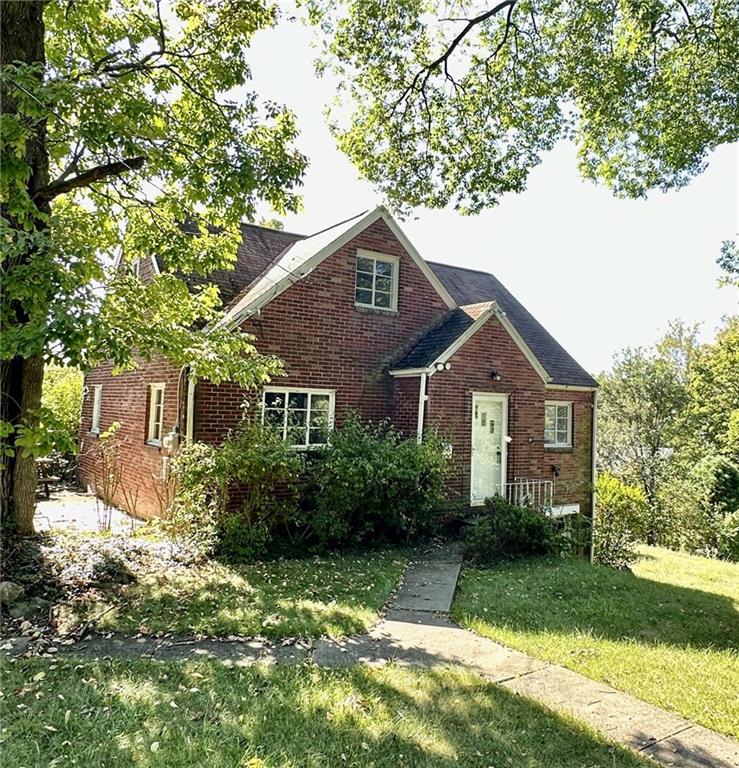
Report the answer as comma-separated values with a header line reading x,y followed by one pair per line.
x,y
84,179
444,58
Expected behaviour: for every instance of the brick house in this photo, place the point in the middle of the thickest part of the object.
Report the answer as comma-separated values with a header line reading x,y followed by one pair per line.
x,y
363,323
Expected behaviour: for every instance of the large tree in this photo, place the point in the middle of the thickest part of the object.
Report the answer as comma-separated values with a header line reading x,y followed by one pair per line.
x,y
640,420
456,102
120,121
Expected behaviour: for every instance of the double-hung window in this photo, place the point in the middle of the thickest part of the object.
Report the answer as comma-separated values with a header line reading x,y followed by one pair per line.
x,y
156,414
558,424
302,417
97,397
376,283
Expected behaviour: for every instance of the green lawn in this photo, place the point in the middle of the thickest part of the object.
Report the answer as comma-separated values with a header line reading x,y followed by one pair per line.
x,y
333,595
667,633
148,714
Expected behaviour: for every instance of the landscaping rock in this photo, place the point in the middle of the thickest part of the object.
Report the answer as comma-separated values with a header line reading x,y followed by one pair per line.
x,y
10,592
34,606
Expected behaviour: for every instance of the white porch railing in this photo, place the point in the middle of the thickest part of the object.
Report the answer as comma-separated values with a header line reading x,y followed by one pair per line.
x,y
524,492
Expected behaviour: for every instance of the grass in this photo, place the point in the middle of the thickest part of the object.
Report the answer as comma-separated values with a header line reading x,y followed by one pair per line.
x,y
150,714
334,595
668,633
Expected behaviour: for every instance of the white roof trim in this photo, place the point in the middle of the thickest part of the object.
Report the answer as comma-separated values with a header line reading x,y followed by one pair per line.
x,y
462,339
572,387
309,253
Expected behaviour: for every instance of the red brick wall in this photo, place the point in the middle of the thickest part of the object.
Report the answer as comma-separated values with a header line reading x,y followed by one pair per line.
x,y
125,399
326,342
449,409
405,410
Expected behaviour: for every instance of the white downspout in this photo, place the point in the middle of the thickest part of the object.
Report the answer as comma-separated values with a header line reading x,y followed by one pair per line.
x,y
421,407
190,408
592,474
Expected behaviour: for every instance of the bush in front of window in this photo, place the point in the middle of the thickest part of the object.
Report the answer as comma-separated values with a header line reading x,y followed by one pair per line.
x,y
231,500
503,532
369,485
621,514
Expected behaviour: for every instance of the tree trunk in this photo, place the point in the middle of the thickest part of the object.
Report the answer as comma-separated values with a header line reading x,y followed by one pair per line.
x,y
21,376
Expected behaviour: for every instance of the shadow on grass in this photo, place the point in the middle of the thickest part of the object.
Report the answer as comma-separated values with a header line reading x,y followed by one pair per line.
x,y
337,595
302,716
547,595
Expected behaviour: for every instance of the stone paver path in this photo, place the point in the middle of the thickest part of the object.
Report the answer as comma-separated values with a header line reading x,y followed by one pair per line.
x,y
416,631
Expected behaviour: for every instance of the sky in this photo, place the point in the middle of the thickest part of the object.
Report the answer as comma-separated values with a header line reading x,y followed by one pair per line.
x,y
600,273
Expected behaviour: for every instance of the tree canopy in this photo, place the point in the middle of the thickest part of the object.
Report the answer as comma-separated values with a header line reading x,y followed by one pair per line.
x,y
457,102
120,122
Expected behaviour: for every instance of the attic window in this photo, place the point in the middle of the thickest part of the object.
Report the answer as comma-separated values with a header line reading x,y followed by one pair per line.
x,y
376,283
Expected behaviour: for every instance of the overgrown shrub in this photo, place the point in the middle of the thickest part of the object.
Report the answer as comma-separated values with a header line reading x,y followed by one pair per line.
x,y
199,497
231,499
369,484
261,473
503,531
711,507
620,514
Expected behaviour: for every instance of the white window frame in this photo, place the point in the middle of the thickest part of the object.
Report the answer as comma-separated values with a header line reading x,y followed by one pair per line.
x,y
373,256
150,433
558,404
310,391
97,397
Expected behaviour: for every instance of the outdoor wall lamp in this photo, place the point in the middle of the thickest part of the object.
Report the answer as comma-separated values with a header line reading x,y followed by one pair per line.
x,y
495,376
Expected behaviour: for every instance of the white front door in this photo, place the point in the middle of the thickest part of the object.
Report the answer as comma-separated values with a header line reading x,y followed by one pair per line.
x,y
489,427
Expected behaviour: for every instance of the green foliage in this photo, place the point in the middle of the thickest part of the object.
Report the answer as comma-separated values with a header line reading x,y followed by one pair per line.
x,y
506,532
708,522
458,104
369,485
641,417
144,117
62,397
199,499
714,392
621,515
231,499
260,472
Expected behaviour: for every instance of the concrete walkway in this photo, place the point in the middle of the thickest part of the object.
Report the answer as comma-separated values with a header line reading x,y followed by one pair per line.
x,y
416,631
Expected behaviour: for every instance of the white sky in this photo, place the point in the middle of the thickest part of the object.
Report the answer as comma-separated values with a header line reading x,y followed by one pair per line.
x,y
598,272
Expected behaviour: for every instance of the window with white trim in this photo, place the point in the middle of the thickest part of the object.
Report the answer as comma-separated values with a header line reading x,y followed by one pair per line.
x,y
302,417
156,414
97,396
558,424
376,282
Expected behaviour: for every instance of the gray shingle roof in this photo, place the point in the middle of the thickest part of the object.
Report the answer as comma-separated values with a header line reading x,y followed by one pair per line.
x,y
258,249
441,337
468,286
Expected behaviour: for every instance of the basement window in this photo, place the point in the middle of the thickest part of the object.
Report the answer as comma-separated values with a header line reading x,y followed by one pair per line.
x,y
156,414
301,417
376,281
558,424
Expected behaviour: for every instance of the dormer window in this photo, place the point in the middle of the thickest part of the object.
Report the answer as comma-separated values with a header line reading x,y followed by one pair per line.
x,y
376,285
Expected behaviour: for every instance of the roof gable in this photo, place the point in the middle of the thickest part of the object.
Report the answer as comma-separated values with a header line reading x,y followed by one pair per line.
x,y
303,256
441,343
469,286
